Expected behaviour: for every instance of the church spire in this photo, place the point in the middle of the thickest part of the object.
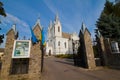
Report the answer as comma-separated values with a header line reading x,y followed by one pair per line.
x,y
56,18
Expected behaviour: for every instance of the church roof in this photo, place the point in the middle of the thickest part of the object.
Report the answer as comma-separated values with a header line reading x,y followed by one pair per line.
x,y
66,35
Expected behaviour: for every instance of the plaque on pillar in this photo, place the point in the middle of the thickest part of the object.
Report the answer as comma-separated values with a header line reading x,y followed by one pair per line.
x,y
21,49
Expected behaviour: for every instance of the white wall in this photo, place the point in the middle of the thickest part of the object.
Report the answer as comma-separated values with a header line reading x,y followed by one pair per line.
x,y
70,47
74,36
48,49
61,49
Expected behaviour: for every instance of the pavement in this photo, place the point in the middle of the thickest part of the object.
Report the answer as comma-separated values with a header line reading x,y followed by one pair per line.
x,y
63,69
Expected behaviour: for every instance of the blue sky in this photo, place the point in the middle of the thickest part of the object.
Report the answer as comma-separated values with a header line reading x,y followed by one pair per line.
x,y
72,13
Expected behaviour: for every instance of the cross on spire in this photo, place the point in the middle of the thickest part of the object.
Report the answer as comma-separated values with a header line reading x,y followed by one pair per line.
x,y
56,18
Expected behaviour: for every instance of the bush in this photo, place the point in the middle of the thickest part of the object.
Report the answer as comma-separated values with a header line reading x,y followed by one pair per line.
x,y
70,56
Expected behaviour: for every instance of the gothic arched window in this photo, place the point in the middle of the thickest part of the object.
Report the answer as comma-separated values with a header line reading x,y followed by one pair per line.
x,y
58,28
65,44
59,43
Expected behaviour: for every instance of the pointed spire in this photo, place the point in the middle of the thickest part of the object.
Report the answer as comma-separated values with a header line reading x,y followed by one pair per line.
x,y
14,28
38,21
83,27
56,18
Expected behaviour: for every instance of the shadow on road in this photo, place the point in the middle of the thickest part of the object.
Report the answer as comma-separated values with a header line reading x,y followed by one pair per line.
x,y
63,62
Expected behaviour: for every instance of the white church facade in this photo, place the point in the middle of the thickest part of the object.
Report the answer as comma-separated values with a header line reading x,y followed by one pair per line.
x,y
59,42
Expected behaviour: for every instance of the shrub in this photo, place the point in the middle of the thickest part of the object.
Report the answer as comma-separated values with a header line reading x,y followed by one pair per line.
x,y
70,56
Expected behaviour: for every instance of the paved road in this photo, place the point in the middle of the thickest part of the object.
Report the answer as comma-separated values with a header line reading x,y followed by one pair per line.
x,y
63,69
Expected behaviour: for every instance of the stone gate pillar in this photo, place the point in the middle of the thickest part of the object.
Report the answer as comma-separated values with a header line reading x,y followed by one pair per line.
x,y
6,62
101,50
22,68
35,56
87,48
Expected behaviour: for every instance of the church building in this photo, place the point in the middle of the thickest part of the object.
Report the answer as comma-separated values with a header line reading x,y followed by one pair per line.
x,y
59,42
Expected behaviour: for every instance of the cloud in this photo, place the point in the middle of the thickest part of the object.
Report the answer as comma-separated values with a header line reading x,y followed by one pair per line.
x,y
21,25
16,20
50,5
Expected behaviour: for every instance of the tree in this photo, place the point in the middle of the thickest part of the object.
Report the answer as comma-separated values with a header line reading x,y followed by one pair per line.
x,y
108,9
2,13
108,23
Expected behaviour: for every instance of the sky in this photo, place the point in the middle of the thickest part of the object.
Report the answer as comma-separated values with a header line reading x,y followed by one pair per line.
x,y
24,13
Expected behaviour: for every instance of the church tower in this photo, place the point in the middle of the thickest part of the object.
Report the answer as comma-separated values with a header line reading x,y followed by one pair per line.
x,y
57,27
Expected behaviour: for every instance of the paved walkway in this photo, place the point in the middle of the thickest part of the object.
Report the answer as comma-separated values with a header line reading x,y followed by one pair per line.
x,y
63,69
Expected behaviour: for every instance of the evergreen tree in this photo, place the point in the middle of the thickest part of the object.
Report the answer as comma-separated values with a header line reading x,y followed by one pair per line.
x,y
109,22
2,13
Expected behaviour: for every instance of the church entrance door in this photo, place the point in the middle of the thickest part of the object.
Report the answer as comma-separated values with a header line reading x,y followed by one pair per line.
x,y
49,52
